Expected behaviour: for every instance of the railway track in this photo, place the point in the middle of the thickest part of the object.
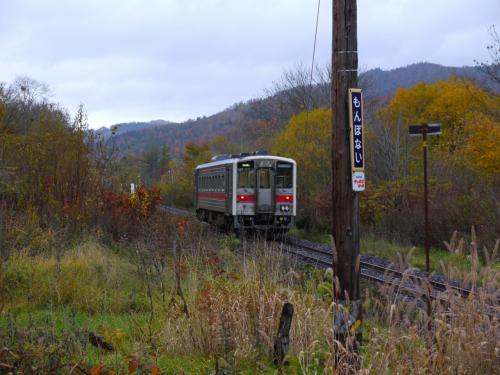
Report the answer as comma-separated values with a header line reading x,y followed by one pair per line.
x,y
374,269
176,211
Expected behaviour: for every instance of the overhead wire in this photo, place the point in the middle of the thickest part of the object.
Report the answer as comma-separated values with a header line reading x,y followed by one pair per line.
x,y
309,105
314,46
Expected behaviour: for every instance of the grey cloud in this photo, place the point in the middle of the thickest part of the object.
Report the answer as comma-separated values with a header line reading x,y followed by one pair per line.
x,y
173,59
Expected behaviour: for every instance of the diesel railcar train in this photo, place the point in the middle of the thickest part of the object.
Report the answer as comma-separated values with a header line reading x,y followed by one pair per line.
x,y
247,191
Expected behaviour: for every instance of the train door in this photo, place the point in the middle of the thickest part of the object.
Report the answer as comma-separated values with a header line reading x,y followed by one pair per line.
x,y
228,188
265,188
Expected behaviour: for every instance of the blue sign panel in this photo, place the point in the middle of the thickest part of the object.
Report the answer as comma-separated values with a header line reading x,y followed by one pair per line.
x,y
356,124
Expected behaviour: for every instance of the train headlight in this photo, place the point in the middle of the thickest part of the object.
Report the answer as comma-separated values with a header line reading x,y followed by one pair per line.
x,y
285,208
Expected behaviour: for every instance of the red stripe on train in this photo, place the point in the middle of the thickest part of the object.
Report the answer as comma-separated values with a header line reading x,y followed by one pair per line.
x,y
284,198
245,198
219,196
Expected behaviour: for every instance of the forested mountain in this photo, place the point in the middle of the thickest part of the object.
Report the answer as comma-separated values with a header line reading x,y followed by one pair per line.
x,y
385,82
250,125
126,127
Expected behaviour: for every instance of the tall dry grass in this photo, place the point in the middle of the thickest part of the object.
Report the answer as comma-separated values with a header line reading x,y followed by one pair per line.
x,y
235,302
234,291
461,336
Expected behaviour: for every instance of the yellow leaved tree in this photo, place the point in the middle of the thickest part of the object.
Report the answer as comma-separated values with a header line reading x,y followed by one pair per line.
x,y
464,161
307,140
178,187
468,115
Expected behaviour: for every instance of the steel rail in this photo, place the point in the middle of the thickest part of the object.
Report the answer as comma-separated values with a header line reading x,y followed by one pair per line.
x,y
372,268
372,263
369,271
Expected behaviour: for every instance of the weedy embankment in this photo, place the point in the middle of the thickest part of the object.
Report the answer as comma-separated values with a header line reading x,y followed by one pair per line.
x,y
181,299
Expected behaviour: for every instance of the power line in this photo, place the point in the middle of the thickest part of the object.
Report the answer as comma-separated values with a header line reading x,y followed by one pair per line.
x,y
309,105
314,47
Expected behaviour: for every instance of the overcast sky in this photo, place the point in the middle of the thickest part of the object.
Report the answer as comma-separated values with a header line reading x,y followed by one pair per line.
x,y
138,60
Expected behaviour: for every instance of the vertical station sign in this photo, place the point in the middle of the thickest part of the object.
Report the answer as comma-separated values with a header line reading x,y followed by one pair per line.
x,y
356,134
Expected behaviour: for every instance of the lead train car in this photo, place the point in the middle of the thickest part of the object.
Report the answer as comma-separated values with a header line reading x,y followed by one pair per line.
x,y
247,192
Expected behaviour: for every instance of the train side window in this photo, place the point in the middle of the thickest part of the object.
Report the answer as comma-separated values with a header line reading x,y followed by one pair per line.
x,y
284,175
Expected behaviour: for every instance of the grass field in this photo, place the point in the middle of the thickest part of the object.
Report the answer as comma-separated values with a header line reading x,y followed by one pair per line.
x,y
203,307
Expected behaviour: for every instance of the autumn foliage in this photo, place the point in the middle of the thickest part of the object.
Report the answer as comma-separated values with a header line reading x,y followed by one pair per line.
x,y
53,167
124,211
464,162
178,186
47,164
307,140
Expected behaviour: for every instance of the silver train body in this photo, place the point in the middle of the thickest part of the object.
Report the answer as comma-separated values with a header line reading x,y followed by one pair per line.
x,y
247,192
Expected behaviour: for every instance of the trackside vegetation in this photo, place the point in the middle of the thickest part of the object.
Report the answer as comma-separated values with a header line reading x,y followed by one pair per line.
x,y
96,280
192,303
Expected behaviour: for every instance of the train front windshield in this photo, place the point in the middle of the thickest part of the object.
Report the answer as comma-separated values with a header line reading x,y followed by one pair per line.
x,y
246,175
284,175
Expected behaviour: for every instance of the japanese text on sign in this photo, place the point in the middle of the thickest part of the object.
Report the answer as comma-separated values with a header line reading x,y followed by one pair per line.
x,y
356,125
358,181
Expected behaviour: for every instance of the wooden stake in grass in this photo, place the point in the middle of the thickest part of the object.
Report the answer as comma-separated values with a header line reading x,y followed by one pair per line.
x,y
100,342
282,342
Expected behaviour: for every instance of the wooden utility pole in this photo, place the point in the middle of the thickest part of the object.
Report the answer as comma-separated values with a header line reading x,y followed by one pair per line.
x,y
345,201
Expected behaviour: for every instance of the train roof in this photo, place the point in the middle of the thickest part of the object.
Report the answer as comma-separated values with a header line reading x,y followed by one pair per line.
x,y
246,158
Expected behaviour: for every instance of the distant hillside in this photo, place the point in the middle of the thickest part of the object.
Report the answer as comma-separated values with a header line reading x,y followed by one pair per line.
x,y
252,124
177,135
127,127
385,82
